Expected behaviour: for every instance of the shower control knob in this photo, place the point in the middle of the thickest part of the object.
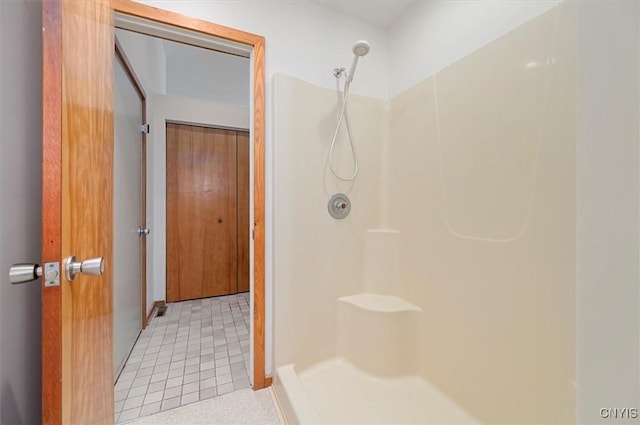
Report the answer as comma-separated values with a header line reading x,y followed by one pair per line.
x,y
339,206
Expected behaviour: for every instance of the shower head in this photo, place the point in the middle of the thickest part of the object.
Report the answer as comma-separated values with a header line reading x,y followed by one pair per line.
x,y
360,48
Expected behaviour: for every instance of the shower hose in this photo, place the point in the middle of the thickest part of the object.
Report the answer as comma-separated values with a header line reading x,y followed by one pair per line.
x,y
343,115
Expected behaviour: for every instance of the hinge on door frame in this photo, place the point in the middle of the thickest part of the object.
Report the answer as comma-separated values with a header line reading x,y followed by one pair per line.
x,y
144,128
253,234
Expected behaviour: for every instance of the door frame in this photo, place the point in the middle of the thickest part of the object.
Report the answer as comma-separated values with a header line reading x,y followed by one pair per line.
x,y
257,133
51,215
126,64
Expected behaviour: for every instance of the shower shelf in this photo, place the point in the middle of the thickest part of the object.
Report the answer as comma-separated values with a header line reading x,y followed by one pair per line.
x,y
378,333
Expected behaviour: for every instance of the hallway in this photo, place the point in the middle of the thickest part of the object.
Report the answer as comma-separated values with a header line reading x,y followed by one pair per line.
x,y
198,350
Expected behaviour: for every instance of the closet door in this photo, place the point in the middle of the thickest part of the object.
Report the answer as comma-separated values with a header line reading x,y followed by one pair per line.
x,y
202,257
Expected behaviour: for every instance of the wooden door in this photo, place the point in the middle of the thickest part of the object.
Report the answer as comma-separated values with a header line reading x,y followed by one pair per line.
x,y
243,211
201,212
77,318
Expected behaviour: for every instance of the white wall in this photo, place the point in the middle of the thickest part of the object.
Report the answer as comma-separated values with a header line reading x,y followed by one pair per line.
x,y
205,74
183,110
434,34
175,69
607,268
20,208
147,57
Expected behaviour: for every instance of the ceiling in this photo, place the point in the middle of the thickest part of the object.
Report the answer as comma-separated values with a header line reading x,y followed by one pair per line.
x,y
377,12
206,74
178,69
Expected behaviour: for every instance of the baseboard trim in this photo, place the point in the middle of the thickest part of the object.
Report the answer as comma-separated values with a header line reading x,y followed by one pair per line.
x,y
268,381
156,306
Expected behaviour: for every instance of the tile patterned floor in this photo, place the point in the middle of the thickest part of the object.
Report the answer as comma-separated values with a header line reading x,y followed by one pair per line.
x,y
239,407
198,350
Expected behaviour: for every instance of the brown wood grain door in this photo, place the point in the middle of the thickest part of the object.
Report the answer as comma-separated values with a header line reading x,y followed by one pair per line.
x,y
243,211
201,212
77,316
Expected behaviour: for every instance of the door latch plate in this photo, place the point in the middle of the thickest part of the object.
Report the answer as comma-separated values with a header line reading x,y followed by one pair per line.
x,y
51,274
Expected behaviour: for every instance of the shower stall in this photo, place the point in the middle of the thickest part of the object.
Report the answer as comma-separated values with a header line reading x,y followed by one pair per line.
x,y
451,292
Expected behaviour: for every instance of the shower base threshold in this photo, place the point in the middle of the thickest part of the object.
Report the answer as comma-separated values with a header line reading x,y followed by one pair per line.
x,y
337,392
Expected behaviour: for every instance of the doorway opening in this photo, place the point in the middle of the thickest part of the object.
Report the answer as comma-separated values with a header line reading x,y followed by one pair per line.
x,y
246,122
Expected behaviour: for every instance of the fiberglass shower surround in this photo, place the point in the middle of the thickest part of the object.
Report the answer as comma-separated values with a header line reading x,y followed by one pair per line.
x,y
429,304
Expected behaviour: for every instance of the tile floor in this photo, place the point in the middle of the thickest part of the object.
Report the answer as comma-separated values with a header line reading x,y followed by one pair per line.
x,y
239,407
198,350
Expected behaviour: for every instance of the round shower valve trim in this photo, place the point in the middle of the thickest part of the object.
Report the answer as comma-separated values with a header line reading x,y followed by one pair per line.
x,y
339,206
